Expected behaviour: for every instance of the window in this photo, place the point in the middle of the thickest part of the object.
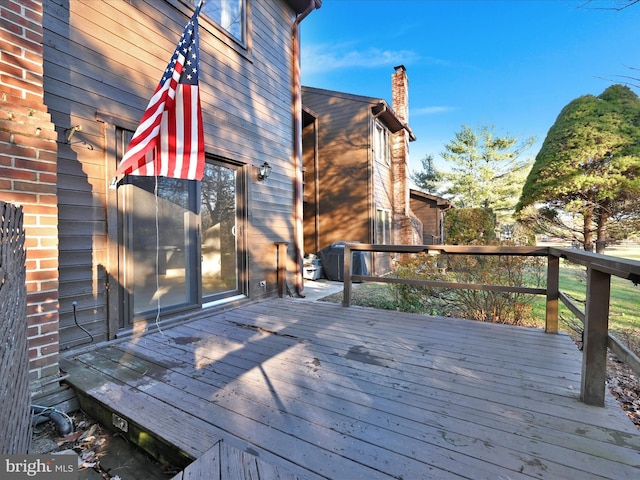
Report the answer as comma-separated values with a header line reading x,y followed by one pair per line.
x,y
381,144
230,15
383,227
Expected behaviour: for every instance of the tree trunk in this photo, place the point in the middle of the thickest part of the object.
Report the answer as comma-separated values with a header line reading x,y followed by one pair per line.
x,y
586,231
601,235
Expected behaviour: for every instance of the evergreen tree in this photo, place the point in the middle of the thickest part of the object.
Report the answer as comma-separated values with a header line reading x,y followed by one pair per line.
x,y
429,179
587,167
486,170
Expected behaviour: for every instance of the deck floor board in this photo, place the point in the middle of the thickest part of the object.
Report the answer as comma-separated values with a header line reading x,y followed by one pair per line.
x,y
314,390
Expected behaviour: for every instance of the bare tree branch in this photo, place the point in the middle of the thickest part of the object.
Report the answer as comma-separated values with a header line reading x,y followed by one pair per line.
x,y
625,4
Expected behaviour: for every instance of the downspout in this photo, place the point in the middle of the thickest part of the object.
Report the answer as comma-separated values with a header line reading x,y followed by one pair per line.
x,y
296,90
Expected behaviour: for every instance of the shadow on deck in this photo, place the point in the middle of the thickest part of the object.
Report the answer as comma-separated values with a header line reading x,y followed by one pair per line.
x,y
288,388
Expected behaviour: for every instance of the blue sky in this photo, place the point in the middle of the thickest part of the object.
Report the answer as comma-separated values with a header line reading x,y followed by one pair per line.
x,y
513,64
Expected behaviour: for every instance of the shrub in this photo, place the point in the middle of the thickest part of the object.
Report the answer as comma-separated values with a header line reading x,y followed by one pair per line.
x,y
464,226
487,306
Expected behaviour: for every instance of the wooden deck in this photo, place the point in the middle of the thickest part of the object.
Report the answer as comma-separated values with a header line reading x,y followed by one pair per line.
x,y
299,389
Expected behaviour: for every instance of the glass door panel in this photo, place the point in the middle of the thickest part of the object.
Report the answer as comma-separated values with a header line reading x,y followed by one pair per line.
x,y
158,244
219,231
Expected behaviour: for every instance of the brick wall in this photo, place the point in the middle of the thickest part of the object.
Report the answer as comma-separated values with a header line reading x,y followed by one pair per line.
x,y
28,176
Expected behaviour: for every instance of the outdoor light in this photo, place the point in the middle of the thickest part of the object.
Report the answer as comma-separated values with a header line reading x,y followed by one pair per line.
x,y
264,171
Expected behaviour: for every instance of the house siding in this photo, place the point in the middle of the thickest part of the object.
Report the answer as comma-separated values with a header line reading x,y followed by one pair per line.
x,y
430,210
103,61
344,173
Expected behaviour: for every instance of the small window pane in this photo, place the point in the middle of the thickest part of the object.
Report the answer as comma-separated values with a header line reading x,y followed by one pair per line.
x,y
228,14
383,227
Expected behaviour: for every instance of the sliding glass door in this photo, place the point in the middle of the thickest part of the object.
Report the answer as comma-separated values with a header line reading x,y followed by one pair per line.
x,y
220,232
180,241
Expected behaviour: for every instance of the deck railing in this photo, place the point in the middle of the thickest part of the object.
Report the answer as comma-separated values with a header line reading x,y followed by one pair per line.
x,y
600,268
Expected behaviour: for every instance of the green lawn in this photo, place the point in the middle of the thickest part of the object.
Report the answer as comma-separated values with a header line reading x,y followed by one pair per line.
x,y
625,296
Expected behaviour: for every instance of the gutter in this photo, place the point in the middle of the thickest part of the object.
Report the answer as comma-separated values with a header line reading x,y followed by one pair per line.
x,y
296,91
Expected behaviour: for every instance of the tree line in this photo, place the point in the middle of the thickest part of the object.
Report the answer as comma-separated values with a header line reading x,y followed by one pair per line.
x,y
583,185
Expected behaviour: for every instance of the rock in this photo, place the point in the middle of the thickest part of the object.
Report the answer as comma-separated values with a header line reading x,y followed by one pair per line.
x,y
41,446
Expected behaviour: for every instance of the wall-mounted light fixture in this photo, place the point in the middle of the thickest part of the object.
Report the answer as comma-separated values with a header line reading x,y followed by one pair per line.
x,y
264,171
70,132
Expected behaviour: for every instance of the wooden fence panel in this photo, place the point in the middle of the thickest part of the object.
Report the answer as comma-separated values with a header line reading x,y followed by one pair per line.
x,y
15,415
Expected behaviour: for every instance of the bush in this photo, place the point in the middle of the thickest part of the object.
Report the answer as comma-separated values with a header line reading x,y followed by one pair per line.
x,y
465,226
483,305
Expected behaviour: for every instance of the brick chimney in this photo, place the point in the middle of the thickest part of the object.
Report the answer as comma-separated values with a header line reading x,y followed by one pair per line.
x,y
400,93
400,155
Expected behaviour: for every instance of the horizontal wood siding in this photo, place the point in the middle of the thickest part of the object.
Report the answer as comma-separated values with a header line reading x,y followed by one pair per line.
x,y
343,164
106,58
429,214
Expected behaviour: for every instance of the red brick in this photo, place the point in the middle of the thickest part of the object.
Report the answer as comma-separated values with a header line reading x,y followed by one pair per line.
x,y
41,275
52,349
49,209
36,37
12,69
21,84
21,198
49,156
17,174
19,151
11,27
49,242
48,177
43,339
49,327
41,362
37,165
33,186
37,253
12,5
43,297
32,5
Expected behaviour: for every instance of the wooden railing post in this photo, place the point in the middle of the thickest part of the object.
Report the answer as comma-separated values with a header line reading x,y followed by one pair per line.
x,y
595,338
553,293
346,295
282,268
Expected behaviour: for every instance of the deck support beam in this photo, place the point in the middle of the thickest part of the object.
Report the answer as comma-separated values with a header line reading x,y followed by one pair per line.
x,y
596,325
282,267
553,293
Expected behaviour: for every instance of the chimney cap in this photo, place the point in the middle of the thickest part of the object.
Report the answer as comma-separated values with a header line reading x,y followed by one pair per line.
x,y
400,67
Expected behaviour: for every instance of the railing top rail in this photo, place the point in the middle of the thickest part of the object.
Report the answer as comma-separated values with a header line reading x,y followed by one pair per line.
x,y
454,249
621,267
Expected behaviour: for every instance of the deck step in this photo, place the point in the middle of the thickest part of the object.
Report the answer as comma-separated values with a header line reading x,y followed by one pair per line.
x,y
229,463
188,444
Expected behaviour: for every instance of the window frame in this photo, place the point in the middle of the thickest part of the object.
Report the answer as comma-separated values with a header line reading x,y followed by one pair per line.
x,y
244,14
384,226
381,143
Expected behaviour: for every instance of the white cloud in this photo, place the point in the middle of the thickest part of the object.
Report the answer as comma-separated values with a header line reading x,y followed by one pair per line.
x,y
327,57
433,110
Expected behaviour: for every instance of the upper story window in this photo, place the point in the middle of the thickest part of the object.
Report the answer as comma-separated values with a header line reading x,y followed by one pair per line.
x,y
230,15
381,149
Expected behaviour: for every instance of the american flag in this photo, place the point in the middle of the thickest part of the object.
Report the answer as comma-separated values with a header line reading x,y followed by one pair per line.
x,y
169,141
